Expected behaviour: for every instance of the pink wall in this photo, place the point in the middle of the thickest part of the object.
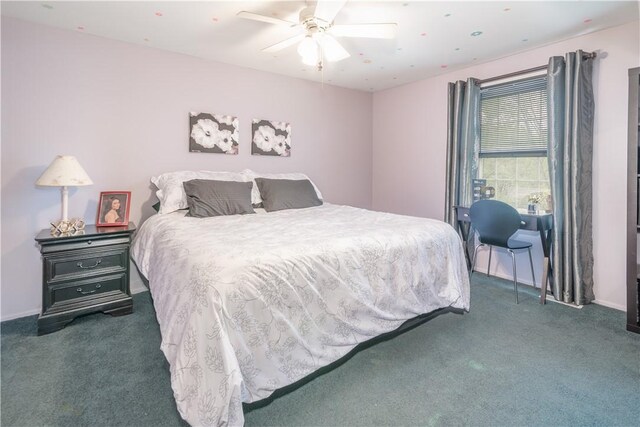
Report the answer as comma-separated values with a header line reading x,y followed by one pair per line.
x,y
409,146
122,110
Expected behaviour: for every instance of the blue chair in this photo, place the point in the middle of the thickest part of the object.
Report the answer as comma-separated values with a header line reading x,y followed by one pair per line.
x,y
496,222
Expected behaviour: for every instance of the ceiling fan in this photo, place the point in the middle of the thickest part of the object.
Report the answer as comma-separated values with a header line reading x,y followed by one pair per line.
x,y
317,41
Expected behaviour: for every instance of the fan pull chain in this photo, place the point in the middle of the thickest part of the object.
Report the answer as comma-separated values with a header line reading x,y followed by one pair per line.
x,y
321,68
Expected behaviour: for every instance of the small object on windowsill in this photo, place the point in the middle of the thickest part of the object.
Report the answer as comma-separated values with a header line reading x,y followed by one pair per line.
x,y
487,192
536,201
477,186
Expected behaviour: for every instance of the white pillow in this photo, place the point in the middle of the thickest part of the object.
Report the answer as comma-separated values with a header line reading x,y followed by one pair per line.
x,y
171,192
255,192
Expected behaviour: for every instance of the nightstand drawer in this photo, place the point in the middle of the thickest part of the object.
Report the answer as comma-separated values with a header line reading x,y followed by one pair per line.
x,y
86,263
83,291
88,243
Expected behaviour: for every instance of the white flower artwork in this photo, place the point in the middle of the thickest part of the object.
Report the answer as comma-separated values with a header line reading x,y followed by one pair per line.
x,y
213,133
270,138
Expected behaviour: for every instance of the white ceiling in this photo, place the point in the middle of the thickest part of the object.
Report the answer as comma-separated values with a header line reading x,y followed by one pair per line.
x,y
432,37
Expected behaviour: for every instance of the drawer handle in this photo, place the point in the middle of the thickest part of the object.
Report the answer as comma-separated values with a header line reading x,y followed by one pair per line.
x,y
86,267
98,286
523,223
89,242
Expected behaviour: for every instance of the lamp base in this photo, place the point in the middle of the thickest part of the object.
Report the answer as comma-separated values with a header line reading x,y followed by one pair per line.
x,y
69,227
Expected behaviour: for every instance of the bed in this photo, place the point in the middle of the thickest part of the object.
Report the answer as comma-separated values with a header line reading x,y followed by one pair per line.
x,y
248,304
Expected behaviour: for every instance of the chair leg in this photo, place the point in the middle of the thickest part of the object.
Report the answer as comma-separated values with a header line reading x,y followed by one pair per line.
x,y
473,261
533,275
489,266
515,275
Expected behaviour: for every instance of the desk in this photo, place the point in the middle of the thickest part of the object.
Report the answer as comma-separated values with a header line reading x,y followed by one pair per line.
x,y
542,223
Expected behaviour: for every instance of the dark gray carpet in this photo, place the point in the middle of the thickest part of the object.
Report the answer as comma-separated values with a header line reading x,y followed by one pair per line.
x,y
500,364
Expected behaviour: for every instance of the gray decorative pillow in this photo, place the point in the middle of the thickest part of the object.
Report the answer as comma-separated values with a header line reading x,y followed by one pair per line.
x,y
207,198
279,194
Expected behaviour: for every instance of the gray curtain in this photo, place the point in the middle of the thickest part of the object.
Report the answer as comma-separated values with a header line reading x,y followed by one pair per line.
x,y
570,120
463,145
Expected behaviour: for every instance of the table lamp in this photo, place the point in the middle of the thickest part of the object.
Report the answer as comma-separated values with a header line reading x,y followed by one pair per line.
x,y
63,172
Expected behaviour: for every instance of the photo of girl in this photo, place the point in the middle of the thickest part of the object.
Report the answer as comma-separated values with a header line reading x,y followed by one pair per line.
x,y
112,215
113,208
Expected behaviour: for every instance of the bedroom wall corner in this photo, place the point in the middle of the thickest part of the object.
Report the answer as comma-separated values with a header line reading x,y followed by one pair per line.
x,y
122,110
417,164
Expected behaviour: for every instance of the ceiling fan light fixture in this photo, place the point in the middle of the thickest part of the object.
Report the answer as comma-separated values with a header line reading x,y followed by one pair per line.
x,y
332,51
309,51
308,47
317,44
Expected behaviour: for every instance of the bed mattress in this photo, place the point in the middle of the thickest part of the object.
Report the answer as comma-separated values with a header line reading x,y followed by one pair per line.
x,y
248,304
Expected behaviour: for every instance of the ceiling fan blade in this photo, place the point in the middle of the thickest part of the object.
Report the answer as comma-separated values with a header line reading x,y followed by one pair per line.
x,y
264,18
332,50
283,44
328,9
374,31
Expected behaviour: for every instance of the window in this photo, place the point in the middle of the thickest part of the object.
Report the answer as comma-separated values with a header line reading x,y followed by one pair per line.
x,y
513,141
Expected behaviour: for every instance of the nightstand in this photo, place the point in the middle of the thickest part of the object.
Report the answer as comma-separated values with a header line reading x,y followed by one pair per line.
x,y
84,273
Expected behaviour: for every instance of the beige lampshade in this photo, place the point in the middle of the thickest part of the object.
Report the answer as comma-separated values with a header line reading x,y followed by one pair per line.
x,y
64,171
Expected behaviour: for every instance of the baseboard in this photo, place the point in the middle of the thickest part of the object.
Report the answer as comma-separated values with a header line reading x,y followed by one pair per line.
x,y
610,305
19,315
551,299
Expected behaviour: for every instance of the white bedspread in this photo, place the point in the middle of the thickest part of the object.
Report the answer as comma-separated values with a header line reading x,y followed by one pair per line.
x,y
249,304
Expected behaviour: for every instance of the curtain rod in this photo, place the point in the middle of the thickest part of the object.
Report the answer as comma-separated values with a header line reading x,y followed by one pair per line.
x,y
588,55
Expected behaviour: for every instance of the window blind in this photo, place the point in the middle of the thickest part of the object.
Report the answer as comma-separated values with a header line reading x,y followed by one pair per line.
x,y
513,119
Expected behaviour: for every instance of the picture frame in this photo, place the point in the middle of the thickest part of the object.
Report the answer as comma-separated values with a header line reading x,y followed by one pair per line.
x,y
213,133
270,138
113,209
